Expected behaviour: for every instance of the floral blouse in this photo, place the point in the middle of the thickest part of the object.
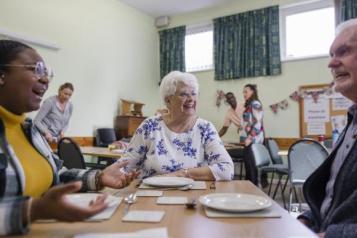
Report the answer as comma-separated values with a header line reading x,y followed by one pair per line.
x,y
155,149
253,122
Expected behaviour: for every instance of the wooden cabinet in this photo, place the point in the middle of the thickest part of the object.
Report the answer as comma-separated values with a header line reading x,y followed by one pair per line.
x,y
125,126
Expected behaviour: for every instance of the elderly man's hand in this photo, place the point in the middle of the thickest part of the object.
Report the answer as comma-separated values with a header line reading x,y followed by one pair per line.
x,y
114,178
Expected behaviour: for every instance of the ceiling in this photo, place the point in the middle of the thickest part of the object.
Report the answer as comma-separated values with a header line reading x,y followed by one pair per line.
x,y
158,8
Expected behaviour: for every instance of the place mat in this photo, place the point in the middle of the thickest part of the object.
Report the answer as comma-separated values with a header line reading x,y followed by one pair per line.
x,y
171,200
265,213
149,193
147,233
197,185
143,216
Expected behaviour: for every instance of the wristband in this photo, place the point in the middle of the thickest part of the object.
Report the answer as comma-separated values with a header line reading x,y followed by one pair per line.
x,y
98,182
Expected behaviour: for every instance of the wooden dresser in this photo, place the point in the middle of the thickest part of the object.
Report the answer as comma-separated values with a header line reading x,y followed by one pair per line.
x,y
125,126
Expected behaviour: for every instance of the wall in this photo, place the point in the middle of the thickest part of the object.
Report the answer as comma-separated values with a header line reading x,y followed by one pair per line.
x,y
271,89
108,51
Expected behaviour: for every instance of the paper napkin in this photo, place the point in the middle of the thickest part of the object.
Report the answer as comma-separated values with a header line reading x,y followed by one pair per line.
x,y
144,216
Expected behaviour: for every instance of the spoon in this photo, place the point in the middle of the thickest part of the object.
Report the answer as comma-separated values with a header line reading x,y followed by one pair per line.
x,y
130,199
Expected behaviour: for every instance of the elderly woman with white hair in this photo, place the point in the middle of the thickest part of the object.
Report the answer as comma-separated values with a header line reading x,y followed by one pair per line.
x,y
179,143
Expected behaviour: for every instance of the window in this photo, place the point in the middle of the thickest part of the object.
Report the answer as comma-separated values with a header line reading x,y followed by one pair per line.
x,y
199,48
307,29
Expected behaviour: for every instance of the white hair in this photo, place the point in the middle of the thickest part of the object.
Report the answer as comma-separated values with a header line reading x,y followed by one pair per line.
x,y
170,81
346,25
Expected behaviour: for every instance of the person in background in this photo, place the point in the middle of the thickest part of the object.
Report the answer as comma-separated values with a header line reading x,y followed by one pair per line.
x,y
331,191
233,115
253,131
179,143
30,173
54,115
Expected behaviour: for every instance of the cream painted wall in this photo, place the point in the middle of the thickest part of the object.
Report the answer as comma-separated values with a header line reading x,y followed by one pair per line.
x,y
108,51
271,89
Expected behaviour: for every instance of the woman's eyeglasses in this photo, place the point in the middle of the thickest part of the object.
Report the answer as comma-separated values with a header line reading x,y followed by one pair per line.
x,y
39,69
184,95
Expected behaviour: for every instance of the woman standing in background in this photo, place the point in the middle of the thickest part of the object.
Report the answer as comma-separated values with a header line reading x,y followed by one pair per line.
x,y
53,118
253,130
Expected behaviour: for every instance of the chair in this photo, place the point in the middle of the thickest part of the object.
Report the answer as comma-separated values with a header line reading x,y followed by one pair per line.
x,y
237,158
262,161
273,149
103,138
304,157
70,153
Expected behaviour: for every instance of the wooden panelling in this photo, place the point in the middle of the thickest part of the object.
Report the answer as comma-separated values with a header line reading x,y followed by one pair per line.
x,y
285,143
84,141
80,140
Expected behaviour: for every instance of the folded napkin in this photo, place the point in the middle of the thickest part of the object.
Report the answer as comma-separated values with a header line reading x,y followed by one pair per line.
x,y
197,185
265,213
147,233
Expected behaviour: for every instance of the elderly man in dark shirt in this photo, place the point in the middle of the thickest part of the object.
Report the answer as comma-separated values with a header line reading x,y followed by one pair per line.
x,y
331,191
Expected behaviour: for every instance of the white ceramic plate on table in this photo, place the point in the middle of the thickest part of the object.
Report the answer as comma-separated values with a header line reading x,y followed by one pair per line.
x,y
162,181
235,202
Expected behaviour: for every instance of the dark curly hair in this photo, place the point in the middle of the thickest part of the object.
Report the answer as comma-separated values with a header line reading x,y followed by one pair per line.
x,y
9,50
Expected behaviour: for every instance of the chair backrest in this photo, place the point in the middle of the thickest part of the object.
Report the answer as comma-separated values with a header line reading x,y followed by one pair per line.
x,y
70,153
273,149
105,136
304,157
261,155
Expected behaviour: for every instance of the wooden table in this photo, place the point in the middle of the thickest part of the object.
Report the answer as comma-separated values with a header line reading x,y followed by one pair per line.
x,y
100,151
231,145
186,223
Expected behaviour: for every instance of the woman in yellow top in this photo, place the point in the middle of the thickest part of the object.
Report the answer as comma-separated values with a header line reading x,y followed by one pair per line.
x,y
30,173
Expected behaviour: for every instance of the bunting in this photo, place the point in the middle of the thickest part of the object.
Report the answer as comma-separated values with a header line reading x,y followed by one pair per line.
x,y
296,95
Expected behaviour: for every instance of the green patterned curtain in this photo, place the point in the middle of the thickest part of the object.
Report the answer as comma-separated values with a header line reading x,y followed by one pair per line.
x,y
172,50
348,9
247,44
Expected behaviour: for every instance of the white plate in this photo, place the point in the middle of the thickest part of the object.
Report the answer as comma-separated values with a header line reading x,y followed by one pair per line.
x,y
83,200
162,181
235,202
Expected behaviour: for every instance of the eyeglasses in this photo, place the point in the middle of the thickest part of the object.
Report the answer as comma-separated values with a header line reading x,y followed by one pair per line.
x,y
39,69
185,95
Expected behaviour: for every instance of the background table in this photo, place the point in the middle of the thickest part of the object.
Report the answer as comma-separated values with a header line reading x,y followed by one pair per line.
x,y
100,151
186,223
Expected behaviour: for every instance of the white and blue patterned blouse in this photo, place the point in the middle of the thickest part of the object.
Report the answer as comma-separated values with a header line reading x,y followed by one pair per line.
x,y
155,149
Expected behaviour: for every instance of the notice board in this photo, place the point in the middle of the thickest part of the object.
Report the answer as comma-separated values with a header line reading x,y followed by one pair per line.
x,y
320,115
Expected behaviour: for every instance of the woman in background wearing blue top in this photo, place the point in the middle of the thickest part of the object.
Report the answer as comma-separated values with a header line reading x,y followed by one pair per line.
x,y
53,118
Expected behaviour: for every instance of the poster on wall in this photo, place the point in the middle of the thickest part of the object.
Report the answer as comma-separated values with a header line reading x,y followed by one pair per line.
x,y
316,128
316,110
341,103
338,122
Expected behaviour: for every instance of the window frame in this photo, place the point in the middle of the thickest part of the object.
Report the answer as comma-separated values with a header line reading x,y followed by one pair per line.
x,y
200,28
292,9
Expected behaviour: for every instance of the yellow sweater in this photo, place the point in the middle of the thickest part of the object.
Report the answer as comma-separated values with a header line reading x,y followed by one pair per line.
x,y
38,172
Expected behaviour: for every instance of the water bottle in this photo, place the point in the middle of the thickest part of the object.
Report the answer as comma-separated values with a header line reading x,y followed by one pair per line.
x,y
335,136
